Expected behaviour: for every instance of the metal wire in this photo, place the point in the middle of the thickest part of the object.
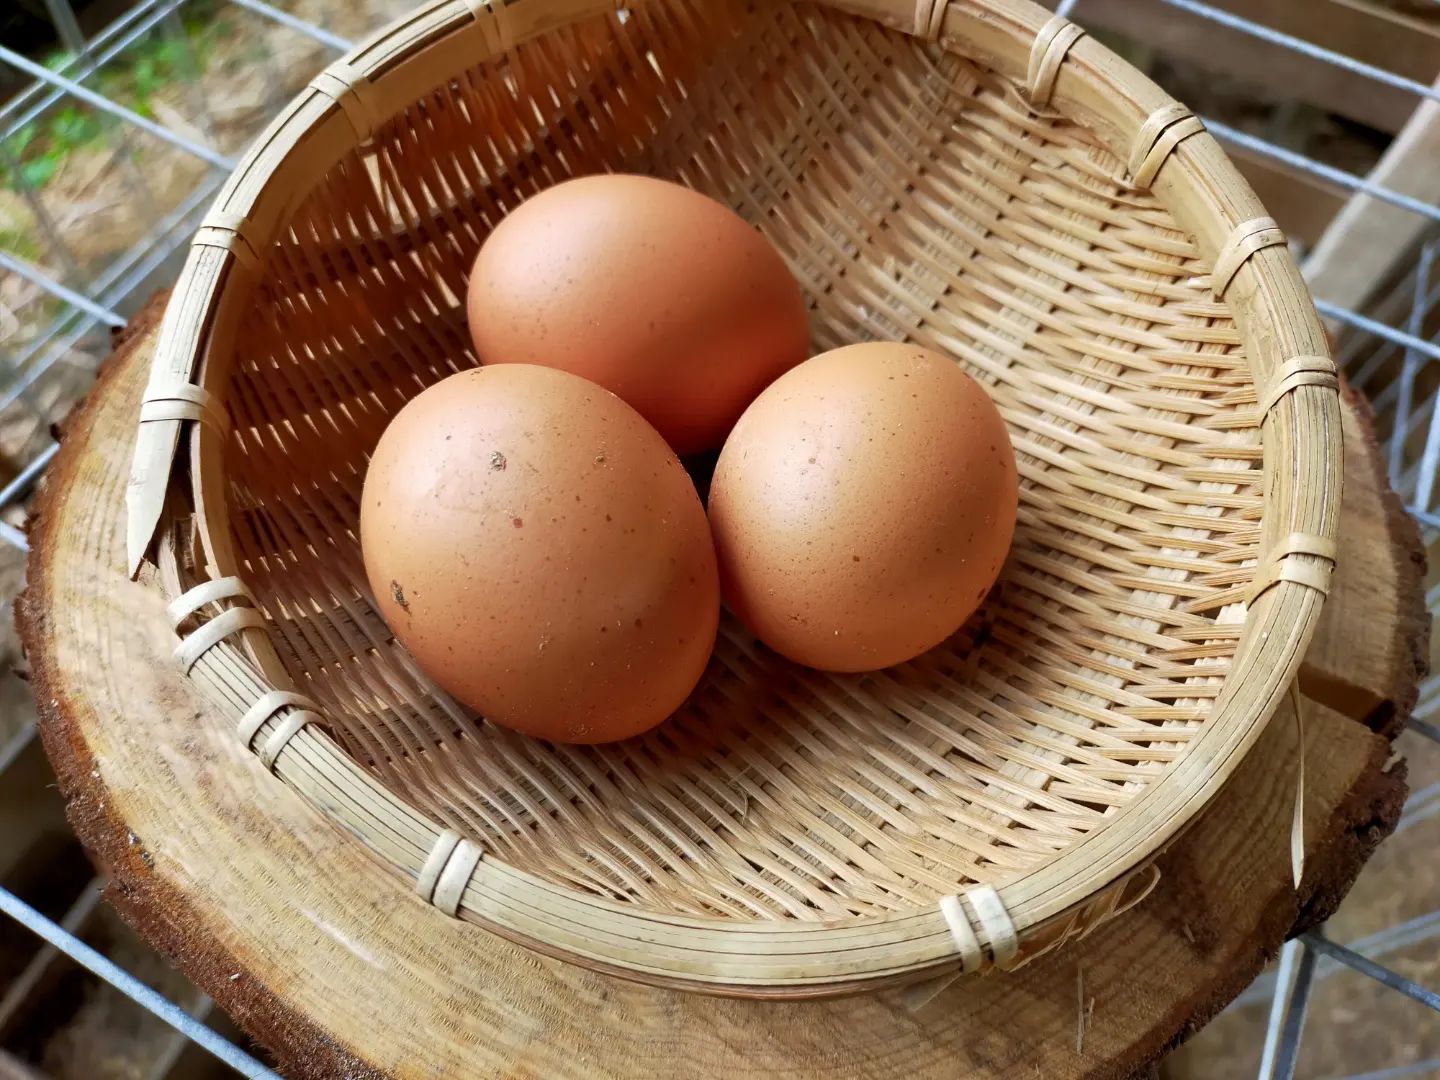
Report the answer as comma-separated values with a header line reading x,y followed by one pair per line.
x,y
1376,327
133,988
66,25
37,207
325,37
1338,177
1279,1008
108,44
59,291
1363,964
13,536
1404,404
1305,48
99,304
119,281
28,475
105,105
1391,940
1292,1020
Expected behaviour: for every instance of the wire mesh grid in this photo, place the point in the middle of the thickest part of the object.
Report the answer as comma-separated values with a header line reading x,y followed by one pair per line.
x,y
113,146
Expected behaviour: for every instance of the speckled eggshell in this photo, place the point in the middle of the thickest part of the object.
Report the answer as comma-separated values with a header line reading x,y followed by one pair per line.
x,y
863,507
541,553
652,290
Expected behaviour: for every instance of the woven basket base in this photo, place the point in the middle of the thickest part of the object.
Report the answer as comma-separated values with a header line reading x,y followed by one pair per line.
x,y
915,196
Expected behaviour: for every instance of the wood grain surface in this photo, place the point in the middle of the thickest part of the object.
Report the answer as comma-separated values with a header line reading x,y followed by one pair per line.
x,y
254,895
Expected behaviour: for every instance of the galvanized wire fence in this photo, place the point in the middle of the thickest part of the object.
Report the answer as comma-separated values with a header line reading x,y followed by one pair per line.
x,y
120,135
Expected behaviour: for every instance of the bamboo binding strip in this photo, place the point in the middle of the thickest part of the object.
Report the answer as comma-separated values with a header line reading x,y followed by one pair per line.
x,y
930,18
1313,571
1296,372
447,871
1079,244
1248,238
1001,945
183,401
1163,130
229,233
1046,56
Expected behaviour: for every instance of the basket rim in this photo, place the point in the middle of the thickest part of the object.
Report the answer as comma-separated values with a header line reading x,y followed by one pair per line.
x,y
1084,882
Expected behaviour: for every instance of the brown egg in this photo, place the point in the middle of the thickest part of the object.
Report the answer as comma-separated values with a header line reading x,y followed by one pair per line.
x,y
541,553
863,506
649,289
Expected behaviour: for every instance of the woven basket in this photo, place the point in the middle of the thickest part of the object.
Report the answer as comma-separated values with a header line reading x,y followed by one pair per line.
x,y
974,176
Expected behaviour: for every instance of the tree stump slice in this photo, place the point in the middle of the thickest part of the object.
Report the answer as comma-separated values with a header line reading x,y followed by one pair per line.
x,y
331,961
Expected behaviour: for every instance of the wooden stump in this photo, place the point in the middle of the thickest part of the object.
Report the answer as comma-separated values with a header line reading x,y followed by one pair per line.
x,y
332,961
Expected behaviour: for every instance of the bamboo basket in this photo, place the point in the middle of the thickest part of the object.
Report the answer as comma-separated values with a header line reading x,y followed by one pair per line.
x,y
975,176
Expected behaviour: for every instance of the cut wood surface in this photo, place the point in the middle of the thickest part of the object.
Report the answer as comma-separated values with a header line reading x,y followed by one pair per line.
x,y
331,960
1371,676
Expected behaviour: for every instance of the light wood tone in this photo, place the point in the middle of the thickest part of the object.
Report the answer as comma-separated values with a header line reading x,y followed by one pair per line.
x,y
1051,750
1369,239
325,956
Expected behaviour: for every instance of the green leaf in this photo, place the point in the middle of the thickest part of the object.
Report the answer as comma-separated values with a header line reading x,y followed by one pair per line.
x,y
21,139
37,172
72,127
19,242
170,56
147,76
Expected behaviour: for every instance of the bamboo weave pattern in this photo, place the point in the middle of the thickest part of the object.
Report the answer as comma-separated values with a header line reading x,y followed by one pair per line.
x,y
916,196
